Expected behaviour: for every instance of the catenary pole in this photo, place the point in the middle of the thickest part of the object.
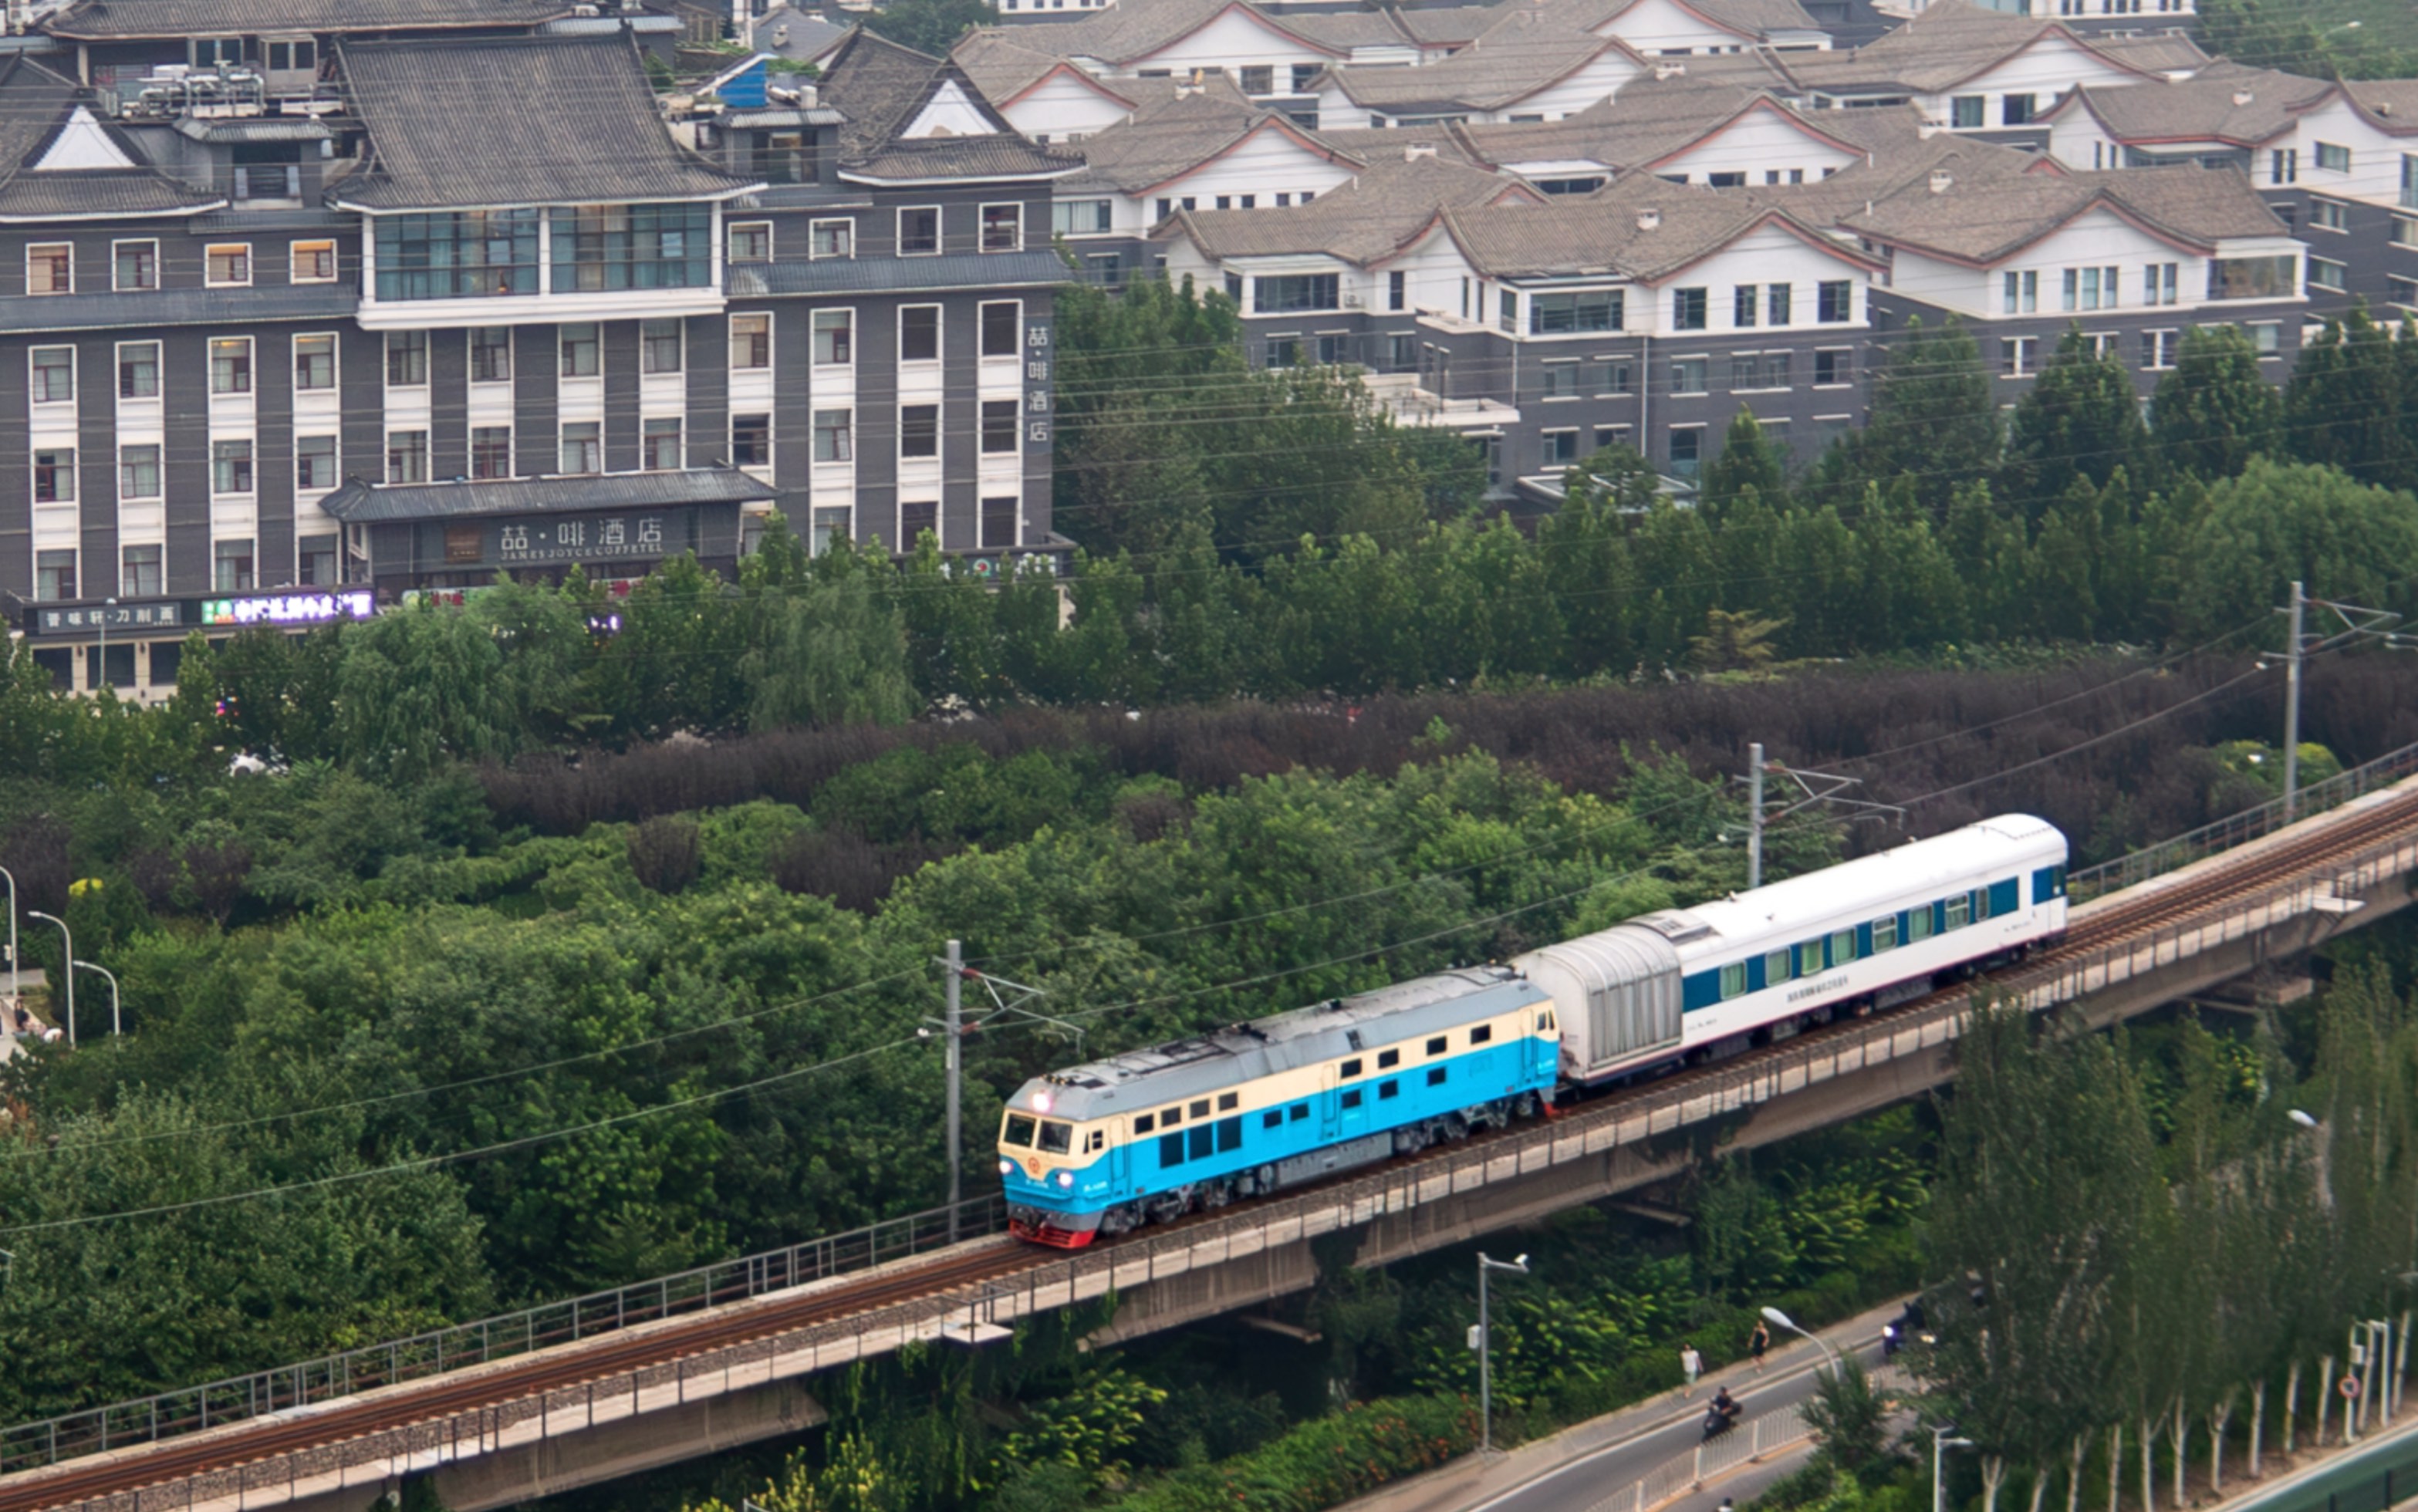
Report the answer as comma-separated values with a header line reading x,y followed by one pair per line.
x,y
952,1030
1754,814
2292,705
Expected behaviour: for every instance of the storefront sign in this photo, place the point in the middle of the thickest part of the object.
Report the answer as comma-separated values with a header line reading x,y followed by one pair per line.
x,y
1037,359
304,608
587,537
97,617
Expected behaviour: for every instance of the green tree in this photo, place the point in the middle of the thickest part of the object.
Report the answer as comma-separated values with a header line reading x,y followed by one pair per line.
x,y
1932,418
2277,522
1849,1417
2344,407
931,26
835,652
1747,460
2080,418
2215,410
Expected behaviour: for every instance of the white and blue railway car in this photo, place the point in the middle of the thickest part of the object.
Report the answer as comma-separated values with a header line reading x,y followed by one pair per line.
x,y
1103,1148
1884,928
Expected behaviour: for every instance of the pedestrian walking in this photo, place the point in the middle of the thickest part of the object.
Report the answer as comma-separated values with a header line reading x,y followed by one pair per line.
x,y
1691,1365
1757,1342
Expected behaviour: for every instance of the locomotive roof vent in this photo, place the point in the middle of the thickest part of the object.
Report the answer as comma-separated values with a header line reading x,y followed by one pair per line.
x,y
1674,925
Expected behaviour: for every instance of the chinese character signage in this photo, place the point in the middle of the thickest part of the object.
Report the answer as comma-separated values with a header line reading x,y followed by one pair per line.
x,y
588,538
1038,359
304,608
101,616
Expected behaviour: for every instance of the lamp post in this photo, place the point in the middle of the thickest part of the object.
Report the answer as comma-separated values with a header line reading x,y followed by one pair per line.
x,y
1941,1441
69,974
1486,1347
15,991
1780,1319
115,1027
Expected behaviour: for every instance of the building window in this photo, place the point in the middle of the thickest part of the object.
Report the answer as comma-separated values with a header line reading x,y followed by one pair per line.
x,y
138,370
998,426
1003,322
231,365
54,475
1560,380
491,451
2019,356
919,430
233,563
1303,75
293,57
1272,296
135,265
2405,230
918,518
407,456
1687,450
228,266
1082,217
583,448
1554,315
1561,448
2158,348
1778,301
783,158
2332,157
1688,375
831,238
659,446
2326,273
2266,338
1832,366
407,359
2019,293
2254,278
50,268
1687,309
1284,352
919,333
314,363
231,467
1834,303
752,242
834,436
751,441
138,472
1003,227
1398,290
582,357
2329,215
659,347
314,560
1969,113
2401,291
491,354
607,247
750,343
138,572
919,231
2409,181
315,463
1743,303
1402,353
834,337
54,575
314,262
53,374
2017,111
2284,165
472,255
1259,79
2161,282
999,522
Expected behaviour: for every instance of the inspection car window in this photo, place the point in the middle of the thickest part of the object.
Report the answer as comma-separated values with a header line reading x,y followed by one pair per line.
x,y
1020,1130
1057,1139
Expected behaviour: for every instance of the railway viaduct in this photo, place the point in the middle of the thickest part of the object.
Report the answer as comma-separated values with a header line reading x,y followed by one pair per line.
x,y
651,1374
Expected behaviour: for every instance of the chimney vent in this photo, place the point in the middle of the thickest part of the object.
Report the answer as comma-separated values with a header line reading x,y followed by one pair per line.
x,y
1649,220
1417,150
1669,70
2243,96
1940,179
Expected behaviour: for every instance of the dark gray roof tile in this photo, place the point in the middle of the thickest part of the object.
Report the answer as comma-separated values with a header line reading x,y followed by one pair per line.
x,y
177,307
104,20
361,503
896,275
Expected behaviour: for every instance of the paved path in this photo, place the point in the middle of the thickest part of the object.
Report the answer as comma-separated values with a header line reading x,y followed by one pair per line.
x,y
1580,1466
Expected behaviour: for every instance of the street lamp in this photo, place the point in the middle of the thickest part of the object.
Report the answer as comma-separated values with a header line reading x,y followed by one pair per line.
x,y
2304,1120
67,955
1780,1319
1485,1342
114,1026
1940,1443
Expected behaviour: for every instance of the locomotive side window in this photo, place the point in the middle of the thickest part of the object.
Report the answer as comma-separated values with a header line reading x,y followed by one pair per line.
x,y
1171,1151
1884,934
1018,1131
1229,1100
1297,1112
1778,967
1145,1123
1481,1034
1389,1089
1273,1118
1099,1139
1547,1023
1733,979
1435,1076
1918,924
1057,1139
1351,1098
1436,1045
1389,1058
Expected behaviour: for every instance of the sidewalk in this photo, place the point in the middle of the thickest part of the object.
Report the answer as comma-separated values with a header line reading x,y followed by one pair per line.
x,y
1474,1483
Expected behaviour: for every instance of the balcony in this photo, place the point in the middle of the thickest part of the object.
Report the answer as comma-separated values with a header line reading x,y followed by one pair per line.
x,y
1399,396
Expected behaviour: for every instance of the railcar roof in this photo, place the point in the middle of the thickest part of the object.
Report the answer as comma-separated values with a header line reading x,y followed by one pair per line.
x,y
1139,1080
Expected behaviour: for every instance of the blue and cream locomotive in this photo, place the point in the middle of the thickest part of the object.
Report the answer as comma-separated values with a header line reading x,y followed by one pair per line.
x,y
1148,1136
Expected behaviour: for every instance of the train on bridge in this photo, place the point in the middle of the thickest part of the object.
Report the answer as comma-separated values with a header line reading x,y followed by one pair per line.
x,y
1099,1150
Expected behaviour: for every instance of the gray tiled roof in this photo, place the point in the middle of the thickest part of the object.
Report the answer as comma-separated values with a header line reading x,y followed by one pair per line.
x,y
1496,70
2172,53
1162,140
2226,103
260,128
1988,219
1649,120
879,86
1004,156
1938,49
998,61
1639,228
35,103
1125,31
361,503
518,120
794,35
177,307
896,275
1348,29
1380,212
2390,104
102,19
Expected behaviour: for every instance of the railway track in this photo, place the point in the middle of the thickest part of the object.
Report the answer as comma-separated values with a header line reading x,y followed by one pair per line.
x,y
121,1471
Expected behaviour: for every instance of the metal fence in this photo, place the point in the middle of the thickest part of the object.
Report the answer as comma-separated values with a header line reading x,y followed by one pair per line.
x,y
172,1414
2240,829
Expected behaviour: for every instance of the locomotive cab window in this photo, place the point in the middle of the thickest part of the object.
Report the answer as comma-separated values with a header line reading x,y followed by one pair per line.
x,y
1389,1089
1389,1058
1436,1045
1057,1139
1481,1034
1170,1117
1960,910
1018,1131
1884,934
1099,1140
1733,979
1297,1112
1351,1068
1200,1108
1544,1023
1843,947
1778,967
1435,1076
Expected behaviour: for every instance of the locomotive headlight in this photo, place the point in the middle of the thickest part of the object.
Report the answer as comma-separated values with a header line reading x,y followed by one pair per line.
x,y
1066,1179
1041,1102
1006,1167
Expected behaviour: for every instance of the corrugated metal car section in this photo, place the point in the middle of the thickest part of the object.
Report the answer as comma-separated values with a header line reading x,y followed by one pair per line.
x,y
1618,993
